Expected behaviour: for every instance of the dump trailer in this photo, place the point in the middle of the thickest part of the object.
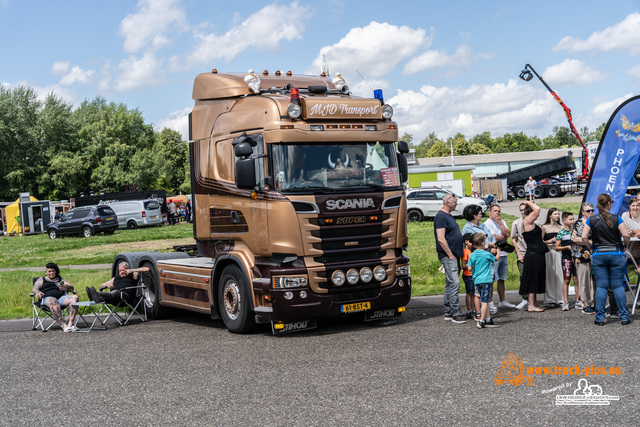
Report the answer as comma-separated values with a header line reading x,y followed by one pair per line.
x,y
516,179
298,202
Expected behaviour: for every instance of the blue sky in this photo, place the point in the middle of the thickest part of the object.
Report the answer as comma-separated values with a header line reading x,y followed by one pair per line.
x,y
444,67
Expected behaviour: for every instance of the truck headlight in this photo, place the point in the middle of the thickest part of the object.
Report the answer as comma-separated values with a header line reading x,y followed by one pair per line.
x,y
403,270
366,274
379,273
290,282
387,111
338,278
353,276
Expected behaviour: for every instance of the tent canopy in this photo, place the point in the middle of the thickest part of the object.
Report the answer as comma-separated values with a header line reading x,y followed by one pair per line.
x,y
13,216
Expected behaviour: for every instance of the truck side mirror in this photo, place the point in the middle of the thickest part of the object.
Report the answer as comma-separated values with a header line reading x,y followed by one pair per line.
x,y
243,149
403,147
246,173
403,168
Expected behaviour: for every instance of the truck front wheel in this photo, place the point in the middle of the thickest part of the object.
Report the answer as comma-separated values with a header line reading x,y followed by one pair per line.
x,y
520,193
233,301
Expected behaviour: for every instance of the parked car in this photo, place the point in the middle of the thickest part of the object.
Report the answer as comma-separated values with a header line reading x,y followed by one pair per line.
x,y
426,202
137,213
86,221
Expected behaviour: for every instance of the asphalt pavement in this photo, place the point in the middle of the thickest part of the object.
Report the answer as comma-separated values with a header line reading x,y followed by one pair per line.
x,y
418,370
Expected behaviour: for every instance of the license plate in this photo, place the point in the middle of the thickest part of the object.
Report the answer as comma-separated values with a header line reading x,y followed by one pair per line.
x,y
154,217
109,218
358,306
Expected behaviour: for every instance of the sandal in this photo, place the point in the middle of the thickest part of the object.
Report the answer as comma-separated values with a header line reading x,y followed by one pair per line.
x,y
535,309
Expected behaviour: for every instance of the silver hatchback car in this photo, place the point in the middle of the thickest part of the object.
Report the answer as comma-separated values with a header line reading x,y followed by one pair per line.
x,y
426,202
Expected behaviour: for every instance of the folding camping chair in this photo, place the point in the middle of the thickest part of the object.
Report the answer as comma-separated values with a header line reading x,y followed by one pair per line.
x,y
136,306
40,313
632,261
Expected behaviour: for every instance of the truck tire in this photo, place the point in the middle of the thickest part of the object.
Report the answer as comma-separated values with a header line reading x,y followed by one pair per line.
x,y
414,215
553,191
234,302
152,300
538,192
520,193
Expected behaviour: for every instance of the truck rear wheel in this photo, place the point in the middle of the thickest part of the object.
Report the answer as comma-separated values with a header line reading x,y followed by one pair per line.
x,y
538,192
152,293
553,191
233,301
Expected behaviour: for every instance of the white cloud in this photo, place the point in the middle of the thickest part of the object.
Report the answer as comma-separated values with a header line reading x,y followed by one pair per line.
x,y
147,27
634,72
60,68
374,50
498,108
572,73
178,121
262,30
603,110
76,75
624,35
139,72
462,59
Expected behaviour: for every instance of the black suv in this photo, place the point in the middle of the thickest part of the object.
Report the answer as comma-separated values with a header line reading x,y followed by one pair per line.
x,y
86,221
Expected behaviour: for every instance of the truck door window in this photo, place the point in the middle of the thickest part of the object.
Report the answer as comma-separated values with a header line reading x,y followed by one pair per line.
x,y
348,166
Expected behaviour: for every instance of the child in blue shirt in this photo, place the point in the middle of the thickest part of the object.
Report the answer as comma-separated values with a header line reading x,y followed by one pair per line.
x,y
480,262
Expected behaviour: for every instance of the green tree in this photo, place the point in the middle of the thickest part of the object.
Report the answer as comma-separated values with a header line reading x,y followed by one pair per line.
x,y
171,159
407,137
439,149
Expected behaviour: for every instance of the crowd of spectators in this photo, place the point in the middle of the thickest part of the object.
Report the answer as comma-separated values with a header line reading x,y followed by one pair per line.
x,y
588,249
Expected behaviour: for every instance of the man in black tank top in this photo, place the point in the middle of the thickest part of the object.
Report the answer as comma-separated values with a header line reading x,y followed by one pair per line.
x,y
52,291
119,285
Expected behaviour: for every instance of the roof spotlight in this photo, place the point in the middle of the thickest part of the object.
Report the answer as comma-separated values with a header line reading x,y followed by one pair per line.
x,y
526,75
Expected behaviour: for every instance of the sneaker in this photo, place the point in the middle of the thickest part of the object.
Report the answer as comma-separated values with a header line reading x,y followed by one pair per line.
x,y
471,315
492,308
459,318
491,324
506,304
615,316
579,305
478,316
74,328
595,322
565,306
588,310
524,304
448,317
625,322
66,328
479,324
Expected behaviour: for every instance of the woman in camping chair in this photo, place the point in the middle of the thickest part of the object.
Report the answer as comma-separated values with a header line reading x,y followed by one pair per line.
x,y
53,293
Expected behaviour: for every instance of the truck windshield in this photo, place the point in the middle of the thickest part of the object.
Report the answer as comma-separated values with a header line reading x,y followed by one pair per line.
x,y
348,166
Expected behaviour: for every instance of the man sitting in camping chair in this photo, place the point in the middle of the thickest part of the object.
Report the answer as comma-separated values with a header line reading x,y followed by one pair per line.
x,y
123,287
53,293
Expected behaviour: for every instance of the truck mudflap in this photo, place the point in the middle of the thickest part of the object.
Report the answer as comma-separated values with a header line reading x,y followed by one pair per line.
x,y
280,328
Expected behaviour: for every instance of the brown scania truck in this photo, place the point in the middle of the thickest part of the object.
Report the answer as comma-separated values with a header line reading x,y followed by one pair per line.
x,y
298,203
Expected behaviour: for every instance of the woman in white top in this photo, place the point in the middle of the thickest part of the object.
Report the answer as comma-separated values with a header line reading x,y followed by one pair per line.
x,y
632,221
632,217
553,295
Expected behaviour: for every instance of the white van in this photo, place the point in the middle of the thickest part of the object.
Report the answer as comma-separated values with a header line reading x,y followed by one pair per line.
x,y
137,213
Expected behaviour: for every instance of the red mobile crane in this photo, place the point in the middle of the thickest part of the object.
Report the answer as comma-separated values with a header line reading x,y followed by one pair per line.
x,y
527,75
